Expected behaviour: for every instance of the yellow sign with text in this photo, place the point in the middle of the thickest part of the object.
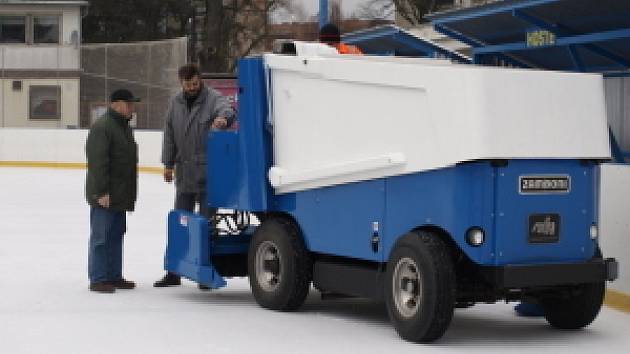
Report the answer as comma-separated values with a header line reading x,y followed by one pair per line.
x,y
540,38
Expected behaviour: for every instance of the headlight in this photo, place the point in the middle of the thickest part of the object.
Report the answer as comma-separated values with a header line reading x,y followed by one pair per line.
x,y
593,231
475,236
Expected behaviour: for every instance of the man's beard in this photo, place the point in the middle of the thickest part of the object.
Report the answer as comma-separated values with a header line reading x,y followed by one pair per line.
x,y
192,94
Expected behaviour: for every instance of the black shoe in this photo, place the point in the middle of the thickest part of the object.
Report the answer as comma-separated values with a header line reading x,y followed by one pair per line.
x,y
169,279
123,283
102,287
202,287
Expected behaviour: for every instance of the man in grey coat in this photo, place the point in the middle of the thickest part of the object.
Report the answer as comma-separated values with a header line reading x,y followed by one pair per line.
x,y
193,112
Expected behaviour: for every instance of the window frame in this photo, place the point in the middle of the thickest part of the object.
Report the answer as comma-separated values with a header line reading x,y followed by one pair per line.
x,y
29,27
26,26
31,116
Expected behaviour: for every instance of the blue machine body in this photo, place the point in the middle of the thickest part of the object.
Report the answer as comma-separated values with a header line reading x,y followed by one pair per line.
x,y
338,220
342,220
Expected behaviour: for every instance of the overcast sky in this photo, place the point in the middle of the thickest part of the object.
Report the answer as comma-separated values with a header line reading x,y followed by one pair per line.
x,y
311,8
348,6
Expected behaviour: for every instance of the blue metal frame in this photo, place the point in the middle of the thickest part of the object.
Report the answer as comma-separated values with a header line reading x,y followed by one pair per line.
x,y
560,42
520,9
323,13
475,44
491,9
421,47
237,177
561,30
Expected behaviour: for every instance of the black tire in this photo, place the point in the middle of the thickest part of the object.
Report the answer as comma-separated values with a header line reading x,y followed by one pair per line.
x,y
421,264
576,307
279,265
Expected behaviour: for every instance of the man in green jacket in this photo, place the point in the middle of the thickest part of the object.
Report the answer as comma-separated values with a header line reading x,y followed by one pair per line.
x,y
110,190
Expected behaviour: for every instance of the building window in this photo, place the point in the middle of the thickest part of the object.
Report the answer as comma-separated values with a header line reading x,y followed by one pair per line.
x,y
45,102
45,29
12,29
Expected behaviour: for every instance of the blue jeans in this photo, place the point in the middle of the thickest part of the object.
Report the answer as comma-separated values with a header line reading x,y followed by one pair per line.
x,y
107,228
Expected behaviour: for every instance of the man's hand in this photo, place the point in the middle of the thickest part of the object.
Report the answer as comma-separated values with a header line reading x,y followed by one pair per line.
x,y
168,175
219,123
103,201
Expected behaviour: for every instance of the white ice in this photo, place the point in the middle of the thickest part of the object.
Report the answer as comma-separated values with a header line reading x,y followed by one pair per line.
x,y
45,305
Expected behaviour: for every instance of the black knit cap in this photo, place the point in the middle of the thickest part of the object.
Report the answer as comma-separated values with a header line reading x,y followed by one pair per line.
x,y
123,95
329,34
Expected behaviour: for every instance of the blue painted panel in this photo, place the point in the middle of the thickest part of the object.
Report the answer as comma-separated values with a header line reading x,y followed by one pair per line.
x,y
238,162
453,199
338,220
225,180
576,210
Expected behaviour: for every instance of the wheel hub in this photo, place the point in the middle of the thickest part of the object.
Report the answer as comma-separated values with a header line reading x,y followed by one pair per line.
x,y
268,271
407,287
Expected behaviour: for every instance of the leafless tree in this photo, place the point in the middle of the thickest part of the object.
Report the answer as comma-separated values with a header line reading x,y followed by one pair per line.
x,y
412,11
336,15
295,10
234,29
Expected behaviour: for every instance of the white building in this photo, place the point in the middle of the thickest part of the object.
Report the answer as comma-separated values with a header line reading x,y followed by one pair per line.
x,y
40,63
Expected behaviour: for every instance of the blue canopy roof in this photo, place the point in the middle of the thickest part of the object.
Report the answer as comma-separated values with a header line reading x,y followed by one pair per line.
x,y
392,40
573,35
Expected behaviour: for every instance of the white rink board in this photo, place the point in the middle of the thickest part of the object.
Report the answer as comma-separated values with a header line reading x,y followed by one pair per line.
x,y
614,220
68,145
342,119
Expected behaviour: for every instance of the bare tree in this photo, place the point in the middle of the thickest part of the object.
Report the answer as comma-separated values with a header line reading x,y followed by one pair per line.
x,y
234,29
336,15
412,11
375,9
294,10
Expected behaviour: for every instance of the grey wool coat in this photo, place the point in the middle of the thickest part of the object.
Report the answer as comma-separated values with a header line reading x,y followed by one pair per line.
x,y
185,133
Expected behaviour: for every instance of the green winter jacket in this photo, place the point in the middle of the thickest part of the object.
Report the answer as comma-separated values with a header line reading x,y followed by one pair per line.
x,y
112,162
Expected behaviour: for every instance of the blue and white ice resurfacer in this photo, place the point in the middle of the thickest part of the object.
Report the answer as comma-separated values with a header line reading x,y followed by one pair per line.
x,y
426,184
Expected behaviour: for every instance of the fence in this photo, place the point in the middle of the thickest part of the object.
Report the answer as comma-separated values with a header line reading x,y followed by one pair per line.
x,y
148,69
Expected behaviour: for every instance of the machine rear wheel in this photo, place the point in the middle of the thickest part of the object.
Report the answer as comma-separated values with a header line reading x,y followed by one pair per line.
x,y
420,287
576,307
279,265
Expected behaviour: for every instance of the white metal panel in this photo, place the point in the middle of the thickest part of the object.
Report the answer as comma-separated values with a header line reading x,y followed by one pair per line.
x,y
333,115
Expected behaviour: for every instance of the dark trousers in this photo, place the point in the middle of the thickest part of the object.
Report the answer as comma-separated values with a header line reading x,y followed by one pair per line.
x,y
105,250
188,201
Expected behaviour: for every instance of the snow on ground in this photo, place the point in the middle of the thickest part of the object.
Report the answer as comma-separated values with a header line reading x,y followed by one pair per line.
x,y
46,307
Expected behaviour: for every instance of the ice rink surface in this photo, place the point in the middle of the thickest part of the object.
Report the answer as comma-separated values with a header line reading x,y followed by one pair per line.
x,y
46,307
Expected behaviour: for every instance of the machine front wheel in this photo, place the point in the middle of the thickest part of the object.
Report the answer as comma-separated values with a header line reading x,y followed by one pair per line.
x,y
420,287
279,265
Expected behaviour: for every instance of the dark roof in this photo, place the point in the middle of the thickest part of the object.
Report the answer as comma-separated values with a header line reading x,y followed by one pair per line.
x,y
45,2
574,35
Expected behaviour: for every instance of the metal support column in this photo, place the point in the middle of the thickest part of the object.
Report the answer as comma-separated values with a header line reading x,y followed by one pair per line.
x,y
323,13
